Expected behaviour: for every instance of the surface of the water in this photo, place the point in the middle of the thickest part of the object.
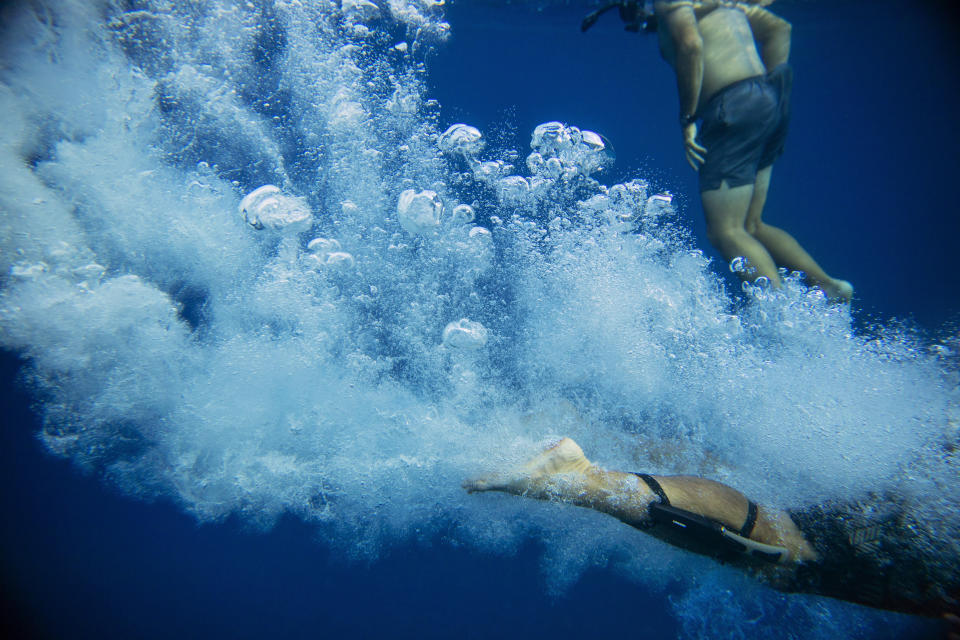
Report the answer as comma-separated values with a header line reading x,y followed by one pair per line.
x,y
311,416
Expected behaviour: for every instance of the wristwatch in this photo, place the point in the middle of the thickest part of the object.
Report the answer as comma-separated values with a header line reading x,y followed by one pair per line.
x,y
687,119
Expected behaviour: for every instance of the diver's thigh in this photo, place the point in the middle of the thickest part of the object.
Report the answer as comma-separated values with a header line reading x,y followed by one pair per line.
x,y
759,199
727,207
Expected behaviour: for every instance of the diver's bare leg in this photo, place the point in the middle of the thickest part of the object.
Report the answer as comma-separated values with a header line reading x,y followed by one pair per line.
x,y
784,249
726,211
562,472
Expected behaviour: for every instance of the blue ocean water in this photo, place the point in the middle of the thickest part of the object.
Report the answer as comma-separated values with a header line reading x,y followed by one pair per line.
x,y
242,436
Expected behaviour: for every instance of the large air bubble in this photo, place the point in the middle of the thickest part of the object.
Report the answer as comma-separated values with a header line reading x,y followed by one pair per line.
x,y
269,208
419,212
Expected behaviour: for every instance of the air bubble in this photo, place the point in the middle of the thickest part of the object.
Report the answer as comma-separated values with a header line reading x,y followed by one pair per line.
x,y
463,214
548,137
465,334
269,208
535,162
339,260
739,265
514,188
347,114
552,168
593,141
32,271
658,205
462,139
359,9
482,233
419,212
92,272
490,170
323,246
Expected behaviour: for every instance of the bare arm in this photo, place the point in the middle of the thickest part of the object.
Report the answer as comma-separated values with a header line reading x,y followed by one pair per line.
x,y
681,37
680,25
772,34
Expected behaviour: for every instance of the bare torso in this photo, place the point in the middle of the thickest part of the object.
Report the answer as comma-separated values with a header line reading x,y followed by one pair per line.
x,y
729,50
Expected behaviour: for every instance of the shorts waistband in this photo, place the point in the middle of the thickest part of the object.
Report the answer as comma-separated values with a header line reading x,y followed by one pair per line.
x,y
777,70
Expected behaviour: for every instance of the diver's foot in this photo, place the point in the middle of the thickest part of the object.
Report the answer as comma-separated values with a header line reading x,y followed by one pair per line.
x,y
838,291
564,457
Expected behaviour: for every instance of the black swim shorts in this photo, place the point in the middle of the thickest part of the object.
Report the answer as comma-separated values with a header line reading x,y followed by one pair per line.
x,y
744,128
869,553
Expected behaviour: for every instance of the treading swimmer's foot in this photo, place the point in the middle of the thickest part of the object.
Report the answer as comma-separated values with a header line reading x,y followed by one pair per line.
x,y
564,457
839,291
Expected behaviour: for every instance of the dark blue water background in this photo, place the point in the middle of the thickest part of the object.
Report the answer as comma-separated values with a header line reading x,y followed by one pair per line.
x,y
867,184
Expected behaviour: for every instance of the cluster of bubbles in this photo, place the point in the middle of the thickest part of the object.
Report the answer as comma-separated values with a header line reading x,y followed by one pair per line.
x,y
422,17
325,252
561,151
561,154
393,310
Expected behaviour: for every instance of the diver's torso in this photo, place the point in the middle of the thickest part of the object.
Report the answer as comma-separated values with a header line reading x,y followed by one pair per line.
x,y
729,51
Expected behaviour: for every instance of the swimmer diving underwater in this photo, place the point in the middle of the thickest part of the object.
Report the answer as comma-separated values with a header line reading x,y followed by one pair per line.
x,y
731,63
733,76
863,552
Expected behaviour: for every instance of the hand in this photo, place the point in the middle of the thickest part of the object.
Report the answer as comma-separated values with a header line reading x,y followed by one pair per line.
x,y
694,150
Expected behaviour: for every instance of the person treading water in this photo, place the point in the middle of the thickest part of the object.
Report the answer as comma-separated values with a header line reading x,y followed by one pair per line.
x,y
731,62
866,552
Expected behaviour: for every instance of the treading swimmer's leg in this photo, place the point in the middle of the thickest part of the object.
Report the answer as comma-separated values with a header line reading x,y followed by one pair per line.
x,y
726,211
784,248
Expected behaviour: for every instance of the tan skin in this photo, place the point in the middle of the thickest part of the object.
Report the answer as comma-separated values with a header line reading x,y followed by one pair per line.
x,y
711,45
563,473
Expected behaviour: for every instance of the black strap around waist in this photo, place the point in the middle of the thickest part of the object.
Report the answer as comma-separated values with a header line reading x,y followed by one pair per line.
x,y
752,509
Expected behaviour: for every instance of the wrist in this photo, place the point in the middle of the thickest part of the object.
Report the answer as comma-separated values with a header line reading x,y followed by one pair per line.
x,y
687,119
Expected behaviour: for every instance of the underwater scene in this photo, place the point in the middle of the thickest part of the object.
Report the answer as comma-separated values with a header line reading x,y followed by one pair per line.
x,y
278,276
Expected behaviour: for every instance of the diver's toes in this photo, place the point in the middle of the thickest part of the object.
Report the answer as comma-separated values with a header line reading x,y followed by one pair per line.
x,y
472,485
